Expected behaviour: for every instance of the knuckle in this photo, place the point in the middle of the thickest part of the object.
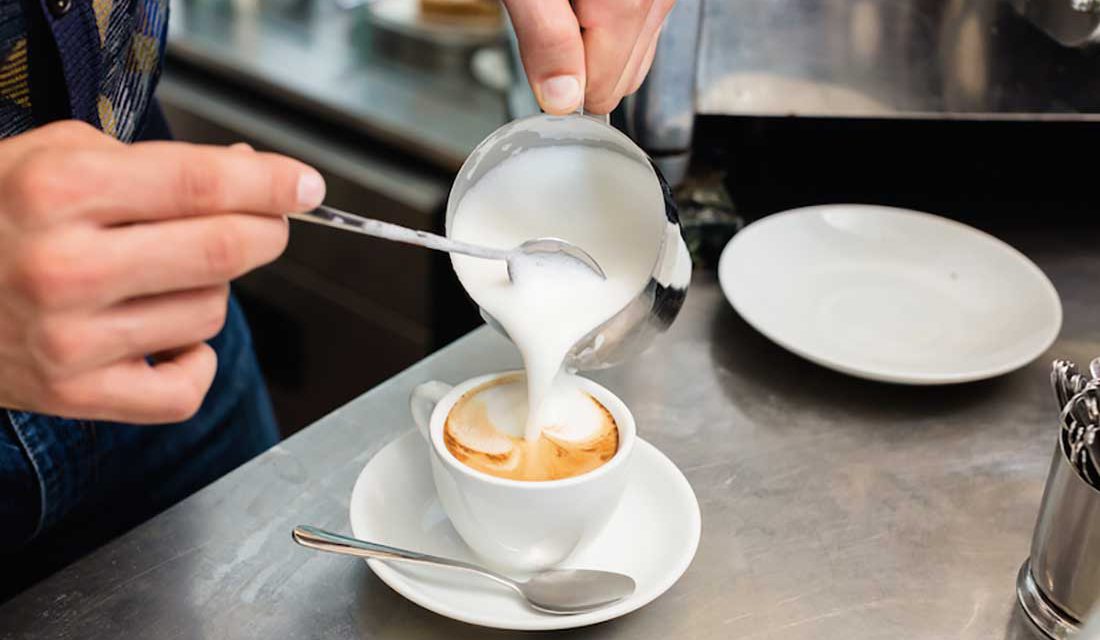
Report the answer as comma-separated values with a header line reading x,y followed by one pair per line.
x,y
558,34
76,129
280,177
636,9
47,273
223,250
35,186
57,347
37,275
201,187
213,314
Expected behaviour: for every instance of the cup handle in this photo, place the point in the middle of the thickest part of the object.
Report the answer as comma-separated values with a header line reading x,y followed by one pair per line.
x,y
422,402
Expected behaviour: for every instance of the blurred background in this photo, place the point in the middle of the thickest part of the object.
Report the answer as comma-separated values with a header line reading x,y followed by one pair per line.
x,y
981,110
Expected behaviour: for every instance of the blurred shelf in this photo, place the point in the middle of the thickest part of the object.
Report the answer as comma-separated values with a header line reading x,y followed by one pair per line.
x,y
326,61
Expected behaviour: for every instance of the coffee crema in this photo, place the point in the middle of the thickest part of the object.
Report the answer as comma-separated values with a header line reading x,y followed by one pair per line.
x,y
485,431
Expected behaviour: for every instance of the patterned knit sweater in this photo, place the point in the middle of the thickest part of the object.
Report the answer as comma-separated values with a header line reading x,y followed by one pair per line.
x,y
93,60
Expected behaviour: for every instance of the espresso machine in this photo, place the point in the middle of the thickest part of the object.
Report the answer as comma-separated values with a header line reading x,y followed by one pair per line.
x,y
984,60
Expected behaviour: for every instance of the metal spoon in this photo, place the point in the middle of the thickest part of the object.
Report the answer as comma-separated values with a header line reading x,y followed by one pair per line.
x,y
1075,421
1059,381
539,247
557,591
1094,368
1067,381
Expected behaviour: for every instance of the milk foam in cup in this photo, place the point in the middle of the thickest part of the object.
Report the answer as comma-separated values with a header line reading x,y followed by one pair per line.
x,y
485,431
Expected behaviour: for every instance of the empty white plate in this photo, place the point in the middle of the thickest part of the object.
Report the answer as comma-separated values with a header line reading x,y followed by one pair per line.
x,y
889,294
652,537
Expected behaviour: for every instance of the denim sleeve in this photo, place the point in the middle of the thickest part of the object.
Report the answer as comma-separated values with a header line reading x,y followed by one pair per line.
x,y
46,465
20,500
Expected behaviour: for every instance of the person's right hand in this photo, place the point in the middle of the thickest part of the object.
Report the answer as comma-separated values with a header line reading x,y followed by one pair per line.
x,y
110,253
590,52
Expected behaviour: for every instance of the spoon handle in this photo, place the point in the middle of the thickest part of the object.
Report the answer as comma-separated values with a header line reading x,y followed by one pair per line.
x,y
327,216
315,538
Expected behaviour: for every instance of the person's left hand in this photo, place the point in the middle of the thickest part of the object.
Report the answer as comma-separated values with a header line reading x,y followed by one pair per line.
x,y
609,60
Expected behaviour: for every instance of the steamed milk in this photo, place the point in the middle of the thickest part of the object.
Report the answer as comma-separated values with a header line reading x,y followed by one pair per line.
x,y
604,203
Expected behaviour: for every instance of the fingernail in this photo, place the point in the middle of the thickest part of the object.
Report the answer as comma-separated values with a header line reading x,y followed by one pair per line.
x,y
560,93
241,146
311,189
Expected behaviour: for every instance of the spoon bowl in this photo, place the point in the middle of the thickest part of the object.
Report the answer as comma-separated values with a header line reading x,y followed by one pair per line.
x,y
569,591
541,250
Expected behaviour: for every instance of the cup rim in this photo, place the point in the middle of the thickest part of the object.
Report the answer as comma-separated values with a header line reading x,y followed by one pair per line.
x,y
609,400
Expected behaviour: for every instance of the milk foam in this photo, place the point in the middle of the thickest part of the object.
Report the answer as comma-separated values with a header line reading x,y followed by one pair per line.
x,y
603,202
567,411
485,431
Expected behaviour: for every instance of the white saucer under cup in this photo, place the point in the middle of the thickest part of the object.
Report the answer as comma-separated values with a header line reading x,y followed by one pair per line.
x,y
889,294
652,537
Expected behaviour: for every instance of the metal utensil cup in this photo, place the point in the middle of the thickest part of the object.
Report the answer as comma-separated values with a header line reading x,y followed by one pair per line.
x,y
656,305
1060,583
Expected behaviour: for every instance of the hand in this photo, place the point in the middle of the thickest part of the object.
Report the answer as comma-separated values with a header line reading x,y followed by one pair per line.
x,y
605,62
110,253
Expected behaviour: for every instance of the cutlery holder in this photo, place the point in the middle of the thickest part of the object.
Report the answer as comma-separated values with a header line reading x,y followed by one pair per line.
x,y
1060,583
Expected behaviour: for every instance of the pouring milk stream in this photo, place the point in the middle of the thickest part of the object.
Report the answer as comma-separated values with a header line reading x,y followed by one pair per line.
x,y
599,200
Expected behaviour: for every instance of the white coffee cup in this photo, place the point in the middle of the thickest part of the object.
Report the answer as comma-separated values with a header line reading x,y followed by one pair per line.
x,y
521,525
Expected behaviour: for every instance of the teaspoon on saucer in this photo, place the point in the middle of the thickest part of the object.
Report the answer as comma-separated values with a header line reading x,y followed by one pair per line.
x,y
556,591
538,248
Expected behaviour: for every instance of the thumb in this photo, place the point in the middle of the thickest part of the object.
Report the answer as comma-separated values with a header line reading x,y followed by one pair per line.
x,y
552,51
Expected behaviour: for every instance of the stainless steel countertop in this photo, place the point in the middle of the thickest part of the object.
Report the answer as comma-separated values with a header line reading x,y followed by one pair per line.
x,y
832,507
317,56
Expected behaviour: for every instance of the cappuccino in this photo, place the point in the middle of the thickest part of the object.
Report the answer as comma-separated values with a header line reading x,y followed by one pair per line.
x,y
485,430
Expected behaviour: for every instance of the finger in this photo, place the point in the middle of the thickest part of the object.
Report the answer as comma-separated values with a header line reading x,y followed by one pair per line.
x,y
133,329
611,31
241,146
136,392
616,37
161,180
641,58
552,50
642,70
179,255
100,267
